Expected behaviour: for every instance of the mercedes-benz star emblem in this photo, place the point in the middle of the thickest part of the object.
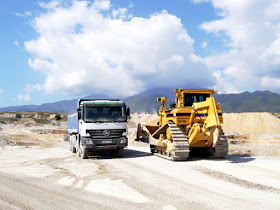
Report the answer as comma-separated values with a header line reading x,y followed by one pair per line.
x,y
106,133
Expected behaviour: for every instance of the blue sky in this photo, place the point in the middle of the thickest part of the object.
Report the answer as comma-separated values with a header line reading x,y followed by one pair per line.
x,y
56,50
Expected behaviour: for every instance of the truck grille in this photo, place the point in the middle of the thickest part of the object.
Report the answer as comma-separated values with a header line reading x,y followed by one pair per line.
x,y
105,134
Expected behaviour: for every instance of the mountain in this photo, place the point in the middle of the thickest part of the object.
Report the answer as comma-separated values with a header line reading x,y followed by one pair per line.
x,y
259,101
147,101
66,106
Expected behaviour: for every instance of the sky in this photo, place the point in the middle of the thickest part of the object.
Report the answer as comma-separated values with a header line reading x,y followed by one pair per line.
x,y
64,49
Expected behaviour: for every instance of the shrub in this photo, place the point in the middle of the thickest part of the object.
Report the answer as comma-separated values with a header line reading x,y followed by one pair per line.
x,y
57,117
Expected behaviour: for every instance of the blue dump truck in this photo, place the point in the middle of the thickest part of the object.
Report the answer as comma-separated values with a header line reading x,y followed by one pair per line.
x,y
98,125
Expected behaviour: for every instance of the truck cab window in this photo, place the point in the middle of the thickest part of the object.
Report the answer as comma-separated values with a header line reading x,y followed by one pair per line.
x,y
104,113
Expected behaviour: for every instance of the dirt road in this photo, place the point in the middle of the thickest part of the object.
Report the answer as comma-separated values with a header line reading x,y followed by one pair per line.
x,y
54,178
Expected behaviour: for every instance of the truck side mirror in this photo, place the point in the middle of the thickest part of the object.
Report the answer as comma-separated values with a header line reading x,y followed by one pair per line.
x,y
79,113
128,112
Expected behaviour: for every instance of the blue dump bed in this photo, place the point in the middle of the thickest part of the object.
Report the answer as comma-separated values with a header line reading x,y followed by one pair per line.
x,y
73,123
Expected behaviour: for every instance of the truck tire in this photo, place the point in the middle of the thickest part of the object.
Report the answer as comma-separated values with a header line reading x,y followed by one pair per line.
x,y
118,152
71,144
73,148
83,153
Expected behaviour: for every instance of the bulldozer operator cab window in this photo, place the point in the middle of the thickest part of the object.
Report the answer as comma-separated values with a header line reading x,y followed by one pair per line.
x,y
190,98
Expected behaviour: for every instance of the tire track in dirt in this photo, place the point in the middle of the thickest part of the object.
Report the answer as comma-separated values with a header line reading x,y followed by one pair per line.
x,y
234,180
64,170
138,177
23,194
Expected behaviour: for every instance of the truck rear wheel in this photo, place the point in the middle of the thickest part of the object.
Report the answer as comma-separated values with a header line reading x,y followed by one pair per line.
x,y
71,145
73,149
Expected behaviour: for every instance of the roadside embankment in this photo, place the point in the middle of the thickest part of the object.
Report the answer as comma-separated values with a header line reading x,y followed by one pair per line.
x,y
251,123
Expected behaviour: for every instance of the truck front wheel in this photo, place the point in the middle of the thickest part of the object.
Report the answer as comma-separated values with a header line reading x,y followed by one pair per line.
x,y
118,152
83,152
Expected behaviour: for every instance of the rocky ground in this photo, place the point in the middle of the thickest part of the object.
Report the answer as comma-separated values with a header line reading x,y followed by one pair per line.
x,y
37,171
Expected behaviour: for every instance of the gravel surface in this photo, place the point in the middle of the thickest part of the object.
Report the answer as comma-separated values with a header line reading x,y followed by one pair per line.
x,y
49,176
53,177
5,142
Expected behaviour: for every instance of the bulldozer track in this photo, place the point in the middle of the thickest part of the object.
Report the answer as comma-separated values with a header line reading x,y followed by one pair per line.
x,y
181,144
221,148
180,140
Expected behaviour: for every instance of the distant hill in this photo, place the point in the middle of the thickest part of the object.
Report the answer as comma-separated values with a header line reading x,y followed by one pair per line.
x,y
147,101
259,101
66,106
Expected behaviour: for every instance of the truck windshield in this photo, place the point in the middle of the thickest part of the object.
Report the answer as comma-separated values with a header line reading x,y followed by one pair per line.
x,y
93,113
190,98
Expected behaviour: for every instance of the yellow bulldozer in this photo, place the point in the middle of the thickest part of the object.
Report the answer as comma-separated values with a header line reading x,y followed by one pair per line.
x,y
193,123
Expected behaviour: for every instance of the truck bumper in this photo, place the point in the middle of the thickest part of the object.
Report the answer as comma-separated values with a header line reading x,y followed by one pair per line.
x,y
103,144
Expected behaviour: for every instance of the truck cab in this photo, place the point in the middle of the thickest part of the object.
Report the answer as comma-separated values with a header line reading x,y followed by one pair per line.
x,y
98,125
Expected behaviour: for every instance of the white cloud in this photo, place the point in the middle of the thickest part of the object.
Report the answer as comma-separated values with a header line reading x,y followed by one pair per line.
x,y
130,5
27,97
50,5
204,44
30,88
200,1
1,91
102,4
121,13
175,61
16,43
253,58
25,14
22,97
267,81
223,83
81,50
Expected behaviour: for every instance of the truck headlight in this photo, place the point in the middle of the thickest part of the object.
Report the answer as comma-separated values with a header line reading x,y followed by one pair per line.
x,y
123,141
88,142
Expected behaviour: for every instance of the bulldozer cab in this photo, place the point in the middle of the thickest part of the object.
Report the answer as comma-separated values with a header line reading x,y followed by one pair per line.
x,y
186,97
190,98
